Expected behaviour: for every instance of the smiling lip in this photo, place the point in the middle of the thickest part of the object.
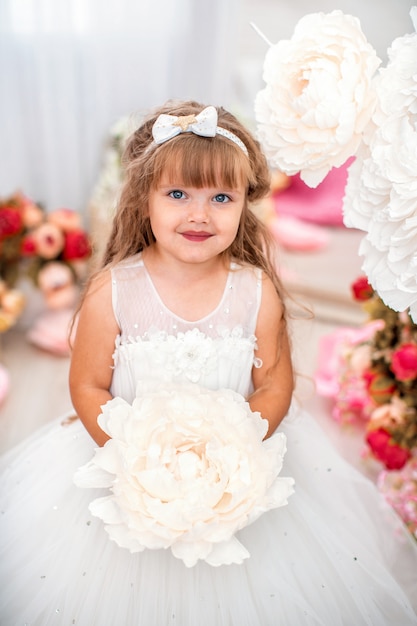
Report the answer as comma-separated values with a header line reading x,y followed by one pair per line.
x,y
192,235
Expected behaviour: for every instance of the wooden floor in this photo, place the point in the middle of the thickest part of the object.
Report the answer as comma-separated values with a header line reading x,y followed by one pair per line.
x,y
39,390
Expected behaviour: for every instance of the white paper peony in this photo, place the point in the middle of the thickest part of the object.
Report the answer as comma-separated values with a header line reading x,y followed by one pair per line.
x,y
187,467
381,192
318,96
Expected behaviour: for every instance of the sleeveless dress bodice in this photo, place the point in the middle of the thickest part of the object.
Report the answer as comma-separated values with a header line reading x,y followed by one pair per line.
x,y
215,352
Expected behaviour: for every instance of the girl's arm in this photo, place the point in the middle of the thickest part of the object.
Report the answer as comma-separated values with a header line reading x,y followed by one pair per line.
x,y
91,362
274,381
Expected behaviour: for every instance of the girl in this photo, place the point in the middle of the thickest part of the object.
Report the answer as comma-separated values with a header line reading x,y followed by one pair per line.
x,y
188,263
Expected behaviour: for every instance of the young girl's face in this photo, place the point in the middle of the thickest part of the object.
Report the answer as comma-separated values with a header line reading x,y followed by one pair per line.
x,y
194,225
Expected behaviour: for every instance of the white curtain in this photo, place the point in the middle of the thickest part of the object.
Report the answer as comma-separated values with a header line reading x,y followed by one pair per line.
x,y
69,69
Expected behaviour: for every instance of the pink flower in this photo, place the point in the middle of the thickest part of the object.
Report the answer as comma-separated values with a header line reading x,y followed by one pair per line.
x,y
352,401
56,281
400,490
360,359
404,362
65,219
49,241
32,214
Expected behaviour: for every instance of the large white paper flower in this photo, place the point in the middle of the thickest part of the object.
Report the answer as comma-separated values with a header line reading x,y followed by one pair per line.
x,y
318,96
187,467
381,192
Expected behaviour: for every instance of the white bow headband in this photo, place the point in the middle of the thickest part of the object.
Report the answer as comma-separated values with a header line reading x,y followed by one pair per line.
x,y
204,124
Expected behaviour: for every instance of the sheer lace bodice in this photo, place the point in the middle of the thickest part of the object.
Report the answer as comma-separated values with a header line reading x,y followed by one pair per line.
x,y
216,351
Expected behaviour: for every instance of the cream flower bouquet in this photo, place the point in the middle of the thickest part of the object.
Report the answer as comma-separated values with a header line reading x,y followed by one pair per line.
x,y
186,468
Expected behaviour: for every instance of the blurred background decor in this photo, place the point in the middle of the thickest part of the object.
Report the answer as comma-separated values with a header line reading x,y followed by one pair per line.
x,y
103,201
51,250
370,374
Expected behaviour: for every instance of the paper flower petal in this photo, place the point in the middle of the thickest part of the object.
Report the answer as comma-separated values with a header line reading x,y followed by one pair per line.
x,y
318,96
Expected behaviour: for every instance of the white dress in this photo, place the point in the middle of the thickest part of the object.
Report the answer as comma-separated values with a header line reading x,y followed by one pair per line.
x,y
335,555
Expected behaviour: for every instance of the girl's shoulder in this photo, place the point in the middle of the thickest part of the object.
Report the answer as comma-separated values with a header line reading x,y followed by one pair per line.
x,y
132,261
255,278
246,268
127,268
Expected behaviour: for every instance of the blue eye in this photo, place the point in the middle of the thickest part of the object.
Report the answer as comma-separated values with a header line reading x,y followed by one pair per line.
x,y
222,198
176,194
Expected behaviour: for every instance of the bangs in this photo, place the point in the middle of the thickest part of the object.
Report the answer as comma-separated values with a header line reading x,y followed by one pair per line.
x,y
202,162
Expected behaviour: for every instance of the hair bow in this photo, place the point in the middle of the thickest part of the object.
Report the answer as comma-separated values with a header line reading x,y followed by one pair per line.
x,y
168,126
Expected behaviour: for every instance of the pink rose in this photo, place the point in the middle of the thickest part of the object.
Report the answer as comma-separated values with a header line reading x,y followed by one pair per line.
x,y
360,359
65,219
404,362
49,241
56,281
352,401
32,214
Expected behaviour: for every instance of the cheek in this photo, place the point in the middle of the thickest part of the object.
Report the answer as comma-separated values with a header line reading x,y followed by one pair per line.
x,y
234,221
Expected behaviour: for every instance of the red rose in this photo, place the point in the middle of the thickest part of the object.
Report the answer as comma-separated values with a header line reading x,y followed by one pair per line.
x,y
76,246
28,246
404,362
383,448
379,387
361,289
10,221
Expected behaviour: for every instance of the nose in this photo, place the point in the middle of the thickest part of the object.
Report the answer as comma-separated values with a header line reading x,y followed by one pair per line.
x,y
198,212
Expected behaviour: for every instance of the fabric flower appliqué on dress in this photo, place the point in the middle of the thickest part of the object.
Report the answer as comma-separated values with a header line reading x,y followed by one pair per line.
x,y
187,468
194,353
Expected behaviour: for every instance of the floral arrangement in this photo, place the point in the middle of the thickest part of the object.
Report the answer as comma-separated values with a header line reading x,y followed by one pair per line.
x,y
187,468
376,373
371,375
326,99
50,248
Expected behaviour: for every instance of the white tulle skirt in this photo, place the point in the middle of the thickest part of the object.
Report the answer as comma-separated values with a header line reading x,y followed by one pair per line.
x,y
335,555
